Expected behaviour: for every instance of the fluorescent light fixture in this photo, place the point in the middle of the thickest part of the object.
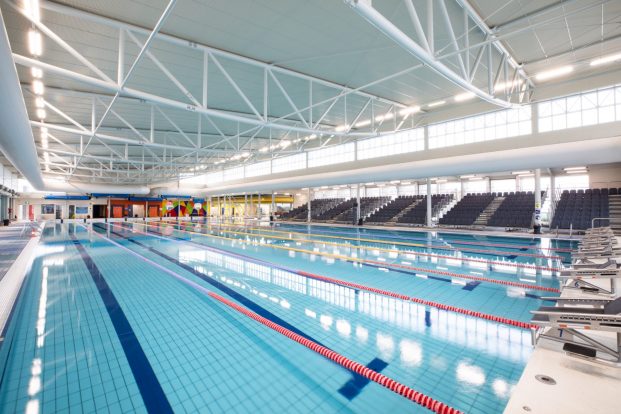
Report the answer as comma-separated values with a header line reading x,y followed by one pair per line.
x,y
526,175
574,168
39,103
341,128
475,178
520,172
46,156
313,136
467,176
576,172
298,194
606,59
44,132
409,110
246,154
31,7
554,73
37,87
464,96
285,144
436,103
41,113
370,184
35,44
323,187
406,182
36,73
441,181
395,182
264,149
335,188
363,123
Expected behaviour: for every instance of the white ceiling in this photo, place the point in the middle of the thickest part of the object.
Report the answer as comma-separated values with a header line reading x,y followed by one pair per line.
x,y
324,41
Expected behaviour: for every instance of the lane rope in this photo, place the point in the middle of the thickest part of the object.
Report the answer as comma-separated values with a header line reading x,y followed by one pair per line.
x,y
438,305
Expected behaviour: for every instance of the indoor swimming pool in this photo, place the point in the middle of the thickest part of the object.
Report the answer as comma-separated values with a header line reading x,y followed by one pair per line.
x,y
203,317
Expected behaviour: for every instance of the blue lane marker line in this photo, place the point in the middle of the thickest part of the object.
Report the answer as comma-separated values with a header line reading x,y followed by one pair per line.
x,y
471,285
150,388
255,307
354,386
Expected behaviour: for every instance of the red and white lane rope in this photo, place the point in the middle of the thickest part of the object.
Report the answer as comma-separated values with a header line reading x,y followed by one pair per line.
x,y
442,306
394,386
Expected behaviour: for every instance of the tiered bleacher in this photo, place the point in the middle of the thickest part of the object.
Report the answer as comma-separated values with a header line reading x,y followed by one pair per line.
x,y
466,211
296,213
392,209
516,210
418,214
577,208
367,205
334,211
318,206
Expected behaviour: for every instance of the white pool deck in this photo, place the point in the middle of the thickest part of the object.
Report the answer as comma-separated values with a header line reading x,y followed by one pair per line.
x,y
582,386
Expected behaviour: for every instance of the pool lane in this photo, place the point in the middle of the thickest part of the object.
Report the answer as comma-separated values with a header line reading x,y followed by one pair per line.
x,y
423,347
491,299
413,262
549,264
203,355
438,237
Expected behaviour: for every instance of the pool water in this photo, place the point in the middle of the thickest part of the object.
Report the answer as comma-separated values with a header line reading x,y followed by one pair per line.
x,y
116,317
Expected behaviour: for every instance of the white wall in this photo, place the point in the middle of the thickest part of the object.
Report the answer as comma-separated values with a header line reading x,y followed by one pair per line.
x,y
605,176
38,201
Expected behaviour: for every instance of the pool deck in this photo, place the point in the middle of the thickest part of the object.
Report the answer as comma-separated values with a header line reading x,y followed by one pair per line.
x,y
23,238
581,386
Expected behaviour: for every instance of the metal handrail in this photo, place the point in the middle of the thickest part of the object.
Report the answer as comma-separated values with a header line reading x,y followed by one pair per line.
x,y
615,219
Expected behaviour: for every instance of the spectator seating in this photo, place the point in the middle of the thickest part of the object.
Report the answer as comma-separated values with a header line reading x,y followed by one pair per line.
x,y
367,205
418,214
577,208
318,206
466,211
392,209
516,210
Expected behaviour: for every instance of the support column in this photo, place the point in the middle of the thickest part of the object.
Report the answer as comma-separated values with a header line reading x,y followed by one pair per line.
x,y
272,208
308,206
245,205
488,185
357,216
146,210
537,221
178,209
108,210
429,202
462,188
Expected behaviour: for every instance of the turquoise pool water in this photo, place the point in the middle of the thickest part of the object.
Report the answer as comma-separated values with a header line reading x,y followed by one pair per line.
x,y
107,321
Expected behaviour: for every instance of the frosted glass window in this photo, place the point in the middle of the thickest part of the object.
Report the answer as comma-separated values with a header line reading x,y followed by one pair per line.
x,y
398,143
258,168
236,173
494,125
292,162
332,155
583,109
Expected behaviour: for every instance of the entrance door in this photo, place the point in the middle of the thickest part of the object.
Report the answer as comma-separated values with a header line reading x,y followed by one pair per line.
x,y
59,211
117,211
31,212
153,211
71,211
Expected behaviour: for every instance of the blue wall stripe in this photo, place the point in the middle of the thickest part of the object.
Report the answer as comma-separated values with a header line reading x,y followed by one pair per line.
x,y
150,389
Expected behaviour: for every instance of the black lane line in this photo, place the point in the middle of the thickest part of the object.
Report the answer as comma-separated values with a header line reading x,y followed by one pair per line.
x,y
153,395
255,307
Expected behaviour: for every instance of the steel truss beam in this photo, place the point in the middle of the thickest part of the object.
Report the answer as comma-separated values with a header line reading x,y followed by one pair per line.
x,y
423,49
